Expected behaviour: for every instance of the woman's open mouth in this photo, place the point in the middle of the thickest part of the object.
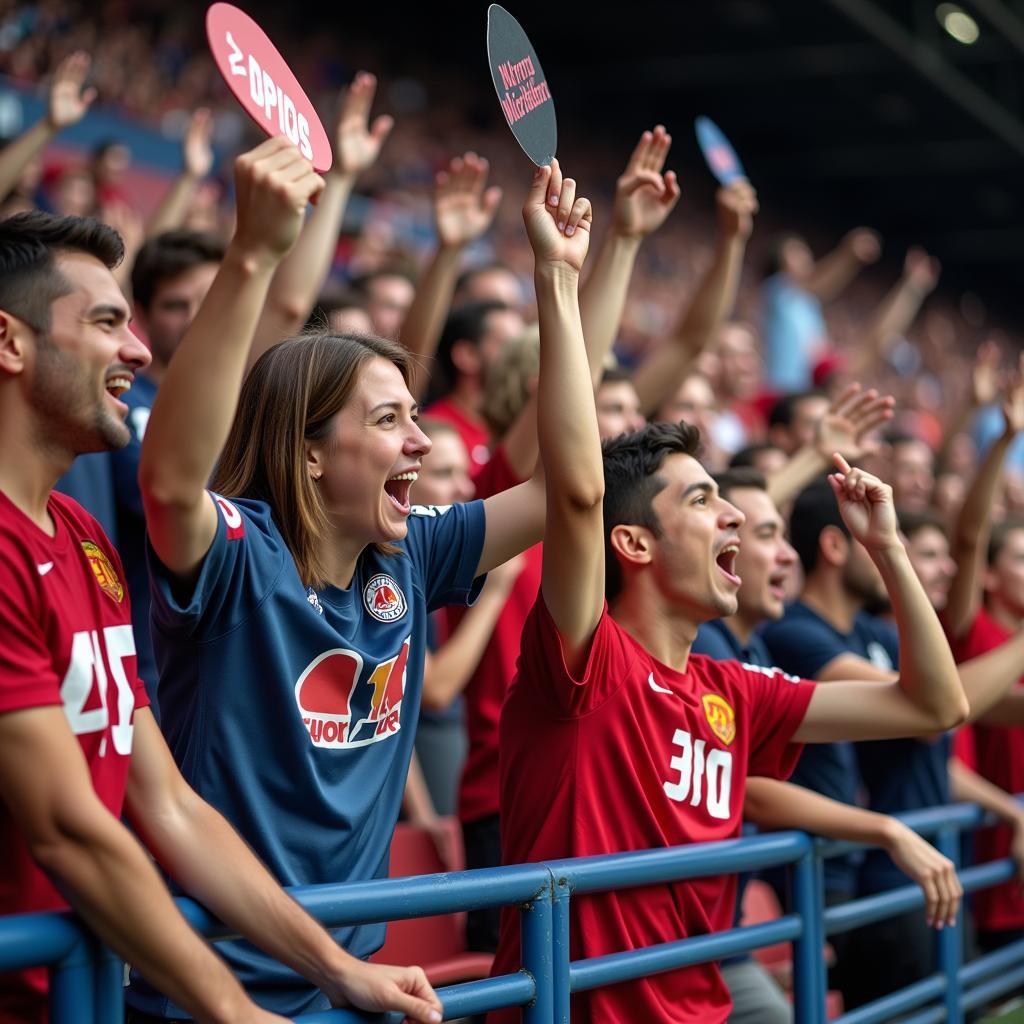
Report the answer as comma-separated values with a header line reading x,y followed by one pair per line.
x,y
397,488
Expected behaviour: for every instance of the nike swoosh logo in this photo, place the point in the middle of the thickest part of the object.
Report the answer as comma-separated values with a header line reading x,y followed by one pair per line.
x,y
655,687
44,568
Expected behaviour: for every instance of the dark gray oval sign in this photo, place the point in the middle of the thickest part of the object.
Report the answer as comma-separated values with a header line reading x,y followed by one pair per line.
x,y
521,86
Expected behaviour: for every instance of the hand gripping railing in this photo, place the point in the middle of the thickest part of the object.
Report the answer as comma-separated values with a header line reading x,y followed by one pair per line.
x,y
86,978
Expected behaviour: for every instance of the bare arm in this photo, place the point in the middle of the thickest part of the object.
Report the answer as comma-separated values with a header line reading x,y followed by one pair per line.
x,y
644,197
198,848
192,413
928,696
300,277
68,102
771,804
103,871
985,385
464,209
197,156
832,273
973,524
658,377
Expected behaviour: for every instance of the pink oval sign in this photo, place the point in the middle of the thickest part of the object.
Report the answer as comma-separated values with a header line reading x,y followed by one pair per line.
x,y
261,81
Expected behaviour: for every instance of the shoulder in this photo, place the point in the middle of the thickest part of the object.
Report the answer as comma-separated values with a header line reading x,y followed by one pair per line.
x,y
797,623
711,642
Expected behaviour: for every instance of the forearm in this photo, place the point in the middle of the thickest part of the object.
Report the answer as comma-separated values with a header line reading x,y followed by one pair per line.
x,y
424,320
196,403
603,297
968,785
928,674
17,155
451,665
170,214
894,314
832,273
659,376
300,278
788,481
988,678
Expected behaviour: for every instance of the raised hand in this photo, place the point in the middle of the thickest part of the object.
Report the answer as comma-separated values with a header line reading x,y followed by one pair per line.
x,y
849,421
986,378
195,148
380,987
273,184
737,204
864,245
921,270
557,223
68,101
644,196
357,143
464,207
1013,401
932,871
866,506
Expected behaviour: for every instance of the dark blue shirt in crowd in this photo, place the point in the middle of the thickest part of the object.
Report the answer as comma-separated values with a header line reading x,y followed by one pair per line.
x,y
803,643
89,482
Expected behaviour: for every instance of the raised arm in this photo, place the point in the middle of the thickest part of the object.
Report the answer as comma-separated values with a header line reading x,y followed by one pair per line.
x,y
67,103
193,411
832,273
771,805
658,377
644,197
973,524
986,380
300,277
844,429
927,697
197,162
464,209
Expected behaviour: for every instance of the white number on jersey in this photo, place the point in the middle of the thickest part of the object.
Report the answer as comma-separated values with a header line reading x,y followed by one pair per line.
x,y
703,774
88,668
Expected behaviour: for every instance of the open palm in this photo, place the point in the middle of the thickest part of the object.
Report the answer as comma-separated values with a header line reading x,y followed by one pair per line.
x,y
68,100
464,207
357,143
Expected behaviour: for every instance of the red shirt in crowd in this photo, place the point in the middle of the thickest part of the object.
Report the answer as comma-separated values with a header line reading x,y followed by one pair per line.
x,y
485,692
65,639
1000,758
635,755
473,431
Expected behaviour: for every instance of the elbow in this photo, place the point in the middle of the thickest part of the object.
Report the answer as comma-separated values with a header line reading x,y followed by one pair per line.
x,y
585,494
956,714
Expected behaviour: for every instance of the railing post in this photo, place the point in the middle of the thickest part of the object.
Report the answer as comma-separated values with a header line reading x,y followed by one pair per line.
x,y
951,940
108,992
535,924
560,948
808,962
72,986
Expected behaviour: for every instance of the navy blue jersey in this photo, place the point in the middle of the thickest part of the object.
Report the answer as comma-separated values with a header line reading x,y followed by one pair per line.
x,y
718,641
803,643
293,711
131,524
88,481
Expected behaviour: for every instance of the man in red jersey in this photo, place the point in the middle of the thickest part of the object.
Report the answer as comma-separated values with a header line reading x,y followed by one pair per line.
x,y
77,741
613,738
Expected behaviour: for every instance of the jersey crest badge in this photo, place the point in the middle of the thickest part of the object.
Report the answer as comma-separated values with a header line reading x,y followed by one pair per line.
x,y
720,717
313,600
384,599
104,572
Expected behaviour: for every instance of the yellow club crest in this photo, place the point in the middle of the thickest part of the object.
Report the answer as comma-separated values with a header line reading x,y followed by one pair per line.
x,y
720,717
104,572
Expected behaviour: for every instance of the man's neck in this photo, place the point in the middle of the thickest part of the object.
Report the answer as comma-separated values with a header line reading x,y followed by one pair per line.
x,y
826,595
665,633
740,627
467,396
1003,615
28,471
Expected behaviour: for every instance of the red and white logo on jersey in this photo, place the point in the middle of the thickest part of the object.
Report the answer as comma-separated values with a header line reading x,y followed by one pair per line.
x,y
232,518
720,716
384,599
343,706
104,572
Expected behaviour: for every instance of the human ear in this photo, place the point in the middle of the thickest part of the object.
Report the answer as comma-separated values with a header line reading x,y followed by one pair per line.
x,y
633,544
12,343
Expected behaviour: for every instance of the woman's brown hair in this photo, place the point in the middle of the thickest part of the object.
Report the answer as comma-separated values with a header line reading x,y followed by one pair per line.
x,y
289,400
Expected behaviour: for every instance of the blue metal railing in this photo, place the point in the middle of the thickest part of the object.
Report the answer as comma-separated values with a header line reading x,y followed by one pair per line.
x,y
86,978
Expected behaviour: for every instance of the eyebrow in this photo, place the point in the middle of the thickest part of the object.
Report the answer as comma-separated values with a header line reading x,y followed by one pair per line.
x,y
119,312
415,408
702,485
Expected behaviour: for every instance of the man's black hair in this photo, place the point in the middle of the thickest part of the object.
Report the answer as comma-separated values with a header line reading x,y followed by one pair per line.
x,y
748,456
1000,535
740,476
30,280
912,522
783,412
168,255
464,323
631,482
615,375
484,268
815,508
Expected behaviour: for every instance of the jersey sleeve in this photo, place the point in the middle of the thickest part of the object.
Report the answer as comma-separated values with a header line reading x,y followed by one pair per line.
x,y
444,543
778,703
27,675
542,662
244,562
802,646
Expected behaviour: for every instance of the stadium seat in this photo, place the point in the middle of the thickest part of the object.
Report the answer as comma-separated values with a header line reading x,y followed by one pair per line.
x,y
437,944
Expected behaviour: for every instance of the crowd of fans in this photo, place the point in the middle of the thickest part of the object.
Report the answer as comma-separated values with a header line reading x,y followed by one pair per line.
x,y
780,357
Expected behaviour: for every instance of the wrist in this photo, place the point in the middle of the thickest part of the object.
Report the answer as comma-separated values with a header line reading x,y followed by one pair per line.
x,y
890,832
629,241
334,972
556,276
340,176
250,260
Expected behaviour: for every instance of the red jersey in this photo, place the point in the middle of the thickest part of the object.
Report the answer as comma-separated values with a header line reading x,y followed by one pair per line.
x,y
1000,755
65,639
473,431
631,756
485,692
